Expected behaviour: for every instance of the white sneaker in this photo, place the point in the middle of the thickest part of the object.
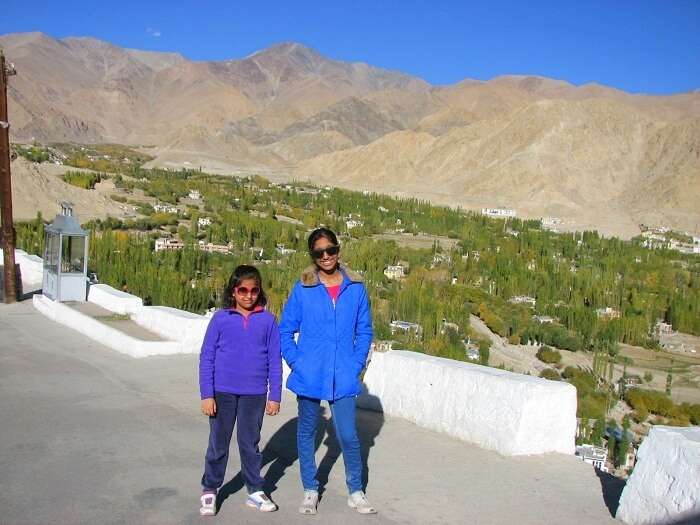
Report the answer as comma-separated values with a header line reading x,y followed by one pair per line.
x,y
309,503
208,504
259,500
358,501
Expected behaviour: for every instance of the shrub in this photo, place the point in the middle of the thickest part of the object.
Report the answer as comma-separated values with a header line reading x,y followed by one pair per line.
x,y
551,374
118,198
33,153
648,377
81,179
548,355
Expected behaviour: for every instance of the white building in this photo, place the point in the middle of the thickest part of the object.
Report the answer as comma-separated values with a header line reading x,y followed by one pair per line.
x,y
284,251
523,299
551,223
166,208
544,319
204,221
164,244
592,455
382,346
662,328
395,272
447,325
195,195
214,248
498,212
405,326
608,312
353,223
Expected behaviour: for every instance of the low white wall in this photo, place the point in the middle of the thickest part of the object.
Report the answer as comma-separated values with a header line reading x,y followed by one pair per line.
x,y
171,323
512,414
31,267
665,484
114,300
186,328
102,333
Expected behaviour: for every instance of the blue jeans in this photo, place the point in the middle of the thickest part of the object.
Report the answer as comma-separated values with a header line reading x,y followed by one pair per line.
x,y
248,411
343,416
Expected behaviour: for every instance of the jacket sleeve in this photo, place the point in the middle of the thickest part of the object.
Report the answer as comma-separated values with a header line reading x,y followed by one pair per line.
x,y
274,363
363,330
207,357
289,325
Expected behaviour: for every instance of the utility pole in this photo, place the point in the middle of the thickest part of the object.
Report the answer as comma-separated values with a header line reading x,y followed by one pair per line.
x,y
8,230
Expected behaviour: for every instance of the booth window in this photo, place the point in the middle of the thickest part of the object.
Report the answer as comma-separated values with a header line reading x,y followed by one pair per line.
x,y
73,255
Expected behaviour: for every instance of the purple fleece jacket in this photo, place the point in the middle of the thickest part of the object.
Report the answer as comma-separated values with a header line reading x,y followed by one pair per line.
x,y
241,355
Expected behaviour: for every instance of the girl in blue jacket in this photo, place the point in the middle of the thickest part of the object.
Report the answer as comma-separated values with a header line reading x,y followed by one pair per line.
x,y
326,332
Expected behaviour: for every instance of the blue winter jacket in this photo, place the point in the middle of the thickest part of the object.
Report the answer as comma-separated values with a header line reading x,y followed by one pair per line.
x,y
333,340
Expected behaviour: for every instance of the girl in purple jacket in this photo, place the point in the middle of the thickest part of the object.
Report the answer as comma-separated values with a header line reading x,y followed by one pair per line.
x,y
240,379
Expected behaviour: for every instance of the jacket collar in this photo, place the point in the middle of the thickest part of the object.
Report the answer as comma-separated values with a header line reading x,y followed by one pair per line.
x,y
255,310
309,277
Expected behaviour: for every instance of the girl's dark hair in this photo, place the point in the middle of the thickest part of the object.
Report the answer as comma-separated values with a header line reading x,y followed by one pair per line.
x,y
241,273
319,233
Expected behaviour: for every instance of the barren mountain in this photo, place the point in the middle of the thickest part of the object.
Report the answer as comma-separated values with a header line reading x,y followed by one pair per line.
x,y
593,155
39,188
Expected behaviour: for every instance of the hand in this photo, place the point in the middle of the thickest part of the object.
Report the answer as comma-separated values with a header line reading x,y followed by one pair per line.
x,y
272,408
209,407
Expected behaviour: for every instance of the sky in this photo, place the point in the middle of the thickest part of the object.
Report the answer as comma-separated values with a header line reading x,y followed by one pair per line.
x,y
637,46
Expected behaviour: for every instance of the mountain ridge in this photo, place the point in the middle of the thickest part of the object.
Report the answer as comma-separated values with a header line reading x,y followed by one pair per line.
x,y
524,141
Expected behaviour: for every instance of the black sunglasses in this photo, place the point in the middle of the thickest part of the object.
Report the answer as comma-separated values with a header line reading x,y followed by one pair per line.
x,y
330,250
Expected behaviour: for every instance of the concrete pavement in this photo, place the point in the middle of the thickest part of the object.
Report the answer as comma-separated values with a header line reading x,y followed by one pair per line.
x,y
88,435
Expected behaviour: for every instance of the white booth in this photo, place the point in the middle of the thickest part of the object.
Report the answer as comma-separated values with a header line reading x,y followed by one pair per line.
x,y
65,258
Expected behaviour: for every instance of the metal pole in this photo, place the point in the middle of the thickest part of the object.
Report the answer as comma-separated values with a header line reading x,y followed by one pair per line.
x,y
8,231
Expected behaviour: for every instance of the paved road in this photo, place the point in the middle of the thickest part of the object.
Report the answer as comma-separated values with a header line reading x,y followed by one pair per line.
x,y
88,435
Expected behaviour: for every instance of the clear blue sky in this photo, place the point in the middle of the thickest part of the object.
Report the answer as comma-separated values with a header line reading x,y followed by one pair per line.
x,y
638,46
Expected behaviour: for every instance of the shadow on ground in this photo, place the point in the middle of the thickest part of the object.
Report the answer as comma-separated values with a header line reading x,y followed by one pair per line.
x,y
280,452
612,490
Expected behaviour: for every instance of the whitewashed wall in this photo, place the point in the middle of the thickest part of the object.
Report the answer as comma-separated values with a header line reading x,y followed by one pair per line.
x,y
102,333
513,414
31,267
665,484
114,300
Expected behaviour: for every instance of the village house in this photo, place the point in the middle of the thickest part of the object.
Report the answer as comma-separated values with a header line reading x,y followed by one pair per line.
x,y
214,248
204,221
608,313
544,319
662,328
446,325
440,258
551,223
395,272
406,327
166,208
523,299
279,248
499,212
195,195
592,455
165,244
382,346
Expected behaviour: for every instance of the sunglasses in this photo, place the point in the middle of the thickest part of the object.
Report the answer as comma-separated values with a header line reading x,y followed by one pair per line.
x,y
242,290
330,250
